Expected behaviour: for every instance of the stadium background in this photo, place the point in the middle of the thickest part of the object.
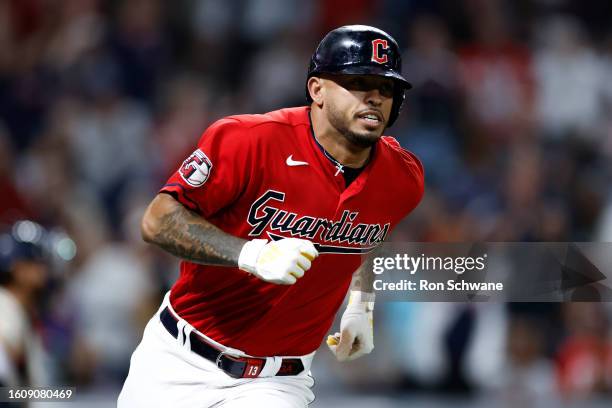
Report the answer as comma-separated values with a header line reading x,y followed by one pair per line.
x,y
511,115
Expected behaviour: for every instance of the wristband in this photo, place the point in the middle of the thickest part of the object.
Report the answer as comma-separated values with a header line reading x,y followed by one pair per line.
x,y
359,299
247,261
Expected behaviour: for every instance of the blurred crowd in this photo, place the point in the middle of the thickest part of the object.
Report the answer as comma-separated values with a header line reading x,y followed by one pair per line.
x,y
511,114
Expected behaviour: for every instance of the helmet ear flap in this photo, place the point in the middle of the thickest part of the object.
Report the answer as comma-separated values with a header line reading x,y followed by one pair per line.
x,y
399,96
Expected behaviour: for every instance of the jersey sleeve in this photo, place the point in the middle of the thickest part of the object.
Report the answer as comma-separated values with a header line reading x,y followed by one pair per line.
x,y
412,169
218,170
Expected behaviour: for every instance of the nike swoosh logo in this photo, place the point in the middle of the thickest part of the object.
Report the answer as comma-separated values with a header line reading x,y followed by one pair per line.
x,y
291,162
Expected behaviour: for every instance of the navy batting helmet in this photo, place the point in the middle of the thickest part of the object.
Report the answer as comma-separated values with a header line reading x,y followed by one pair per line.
x,y
26,241
360,50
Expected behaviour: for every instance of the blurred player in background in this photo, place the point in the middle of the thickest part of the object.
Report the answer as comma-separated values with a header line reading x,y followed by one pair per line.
x,y
24,272
271,215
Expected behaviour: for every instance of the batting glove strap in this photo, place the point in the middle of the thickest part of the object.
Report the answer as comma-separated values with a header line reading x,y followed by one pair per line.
x,y
282,262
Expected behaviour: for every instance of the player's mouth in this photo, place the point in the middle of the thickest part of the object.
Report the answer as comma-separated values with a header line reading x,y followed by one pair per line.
x,y
370,117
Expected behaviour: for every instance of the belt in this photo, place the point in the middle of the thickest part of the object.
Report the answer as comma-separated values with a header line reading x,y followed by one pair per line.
x,y
236,367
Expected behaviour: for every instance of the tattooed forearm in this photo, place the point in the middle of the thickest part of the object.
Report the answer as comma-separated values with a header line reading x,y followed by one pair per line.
x,y
363,278
185,234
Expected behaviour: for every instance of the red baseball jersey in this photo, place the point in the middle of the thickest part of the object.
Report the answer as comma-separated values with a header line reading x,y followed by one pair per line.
x,y
263,176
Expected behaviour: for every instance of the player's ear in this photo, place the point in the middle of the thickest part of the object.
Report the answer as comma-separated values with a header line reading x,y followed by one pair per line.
x,y
316,89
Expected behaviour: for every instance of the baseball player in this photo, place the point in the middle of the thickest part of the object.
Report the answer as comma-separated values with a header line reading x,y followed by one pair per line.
x,y
24,272
271,216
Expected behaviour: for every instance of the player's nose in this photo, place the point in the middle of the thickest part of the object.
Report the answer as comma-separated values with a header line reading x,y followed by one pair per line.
x,y
374,97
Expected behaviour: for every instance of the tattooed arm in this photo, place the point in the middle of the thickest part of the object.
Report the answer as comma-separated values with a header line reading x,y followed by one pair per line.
x,y
363,278
185,234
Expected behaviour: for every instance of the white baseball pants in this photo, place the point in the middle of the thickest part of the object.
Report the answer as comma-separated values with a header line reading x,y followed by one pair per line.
x,y
165,373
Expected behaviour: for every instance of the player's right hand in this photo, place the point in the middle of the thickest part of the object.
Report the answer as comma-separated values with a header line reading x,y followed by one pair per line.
x,y
282,262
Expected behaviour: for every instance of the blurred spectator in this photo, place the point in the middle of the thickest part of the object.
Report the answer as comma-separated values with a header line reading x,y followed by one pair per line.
x,y
111,292
352,12
213,20
279,69
46,175
570,80
80,28
495,76
487,355
107,140
140,48
585,357
182,117
13,205
527,379
431,66
521,199
266,20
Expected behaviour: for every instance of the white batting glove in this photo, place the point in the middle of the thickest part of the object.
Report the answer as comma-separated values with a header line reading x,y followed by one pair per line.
x,y
282,262
356,337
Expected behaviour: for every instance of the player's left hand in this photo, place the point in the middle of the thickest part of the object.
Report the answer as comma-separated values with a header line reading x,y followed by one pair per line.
x,y
356,337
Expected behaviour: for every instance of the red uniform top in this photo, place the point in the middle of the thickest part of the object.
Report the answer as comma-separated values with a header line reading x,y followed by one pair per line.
x,y
264,176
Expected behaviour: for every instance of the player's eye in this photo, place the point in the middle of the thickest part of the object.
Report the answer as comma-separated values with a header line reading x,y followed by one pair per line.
x,y
386,89
356,84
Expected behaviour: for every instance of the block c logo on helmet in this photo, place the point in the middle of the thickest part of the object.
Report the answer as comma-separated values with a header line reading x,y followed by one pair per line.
x,y
376,57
